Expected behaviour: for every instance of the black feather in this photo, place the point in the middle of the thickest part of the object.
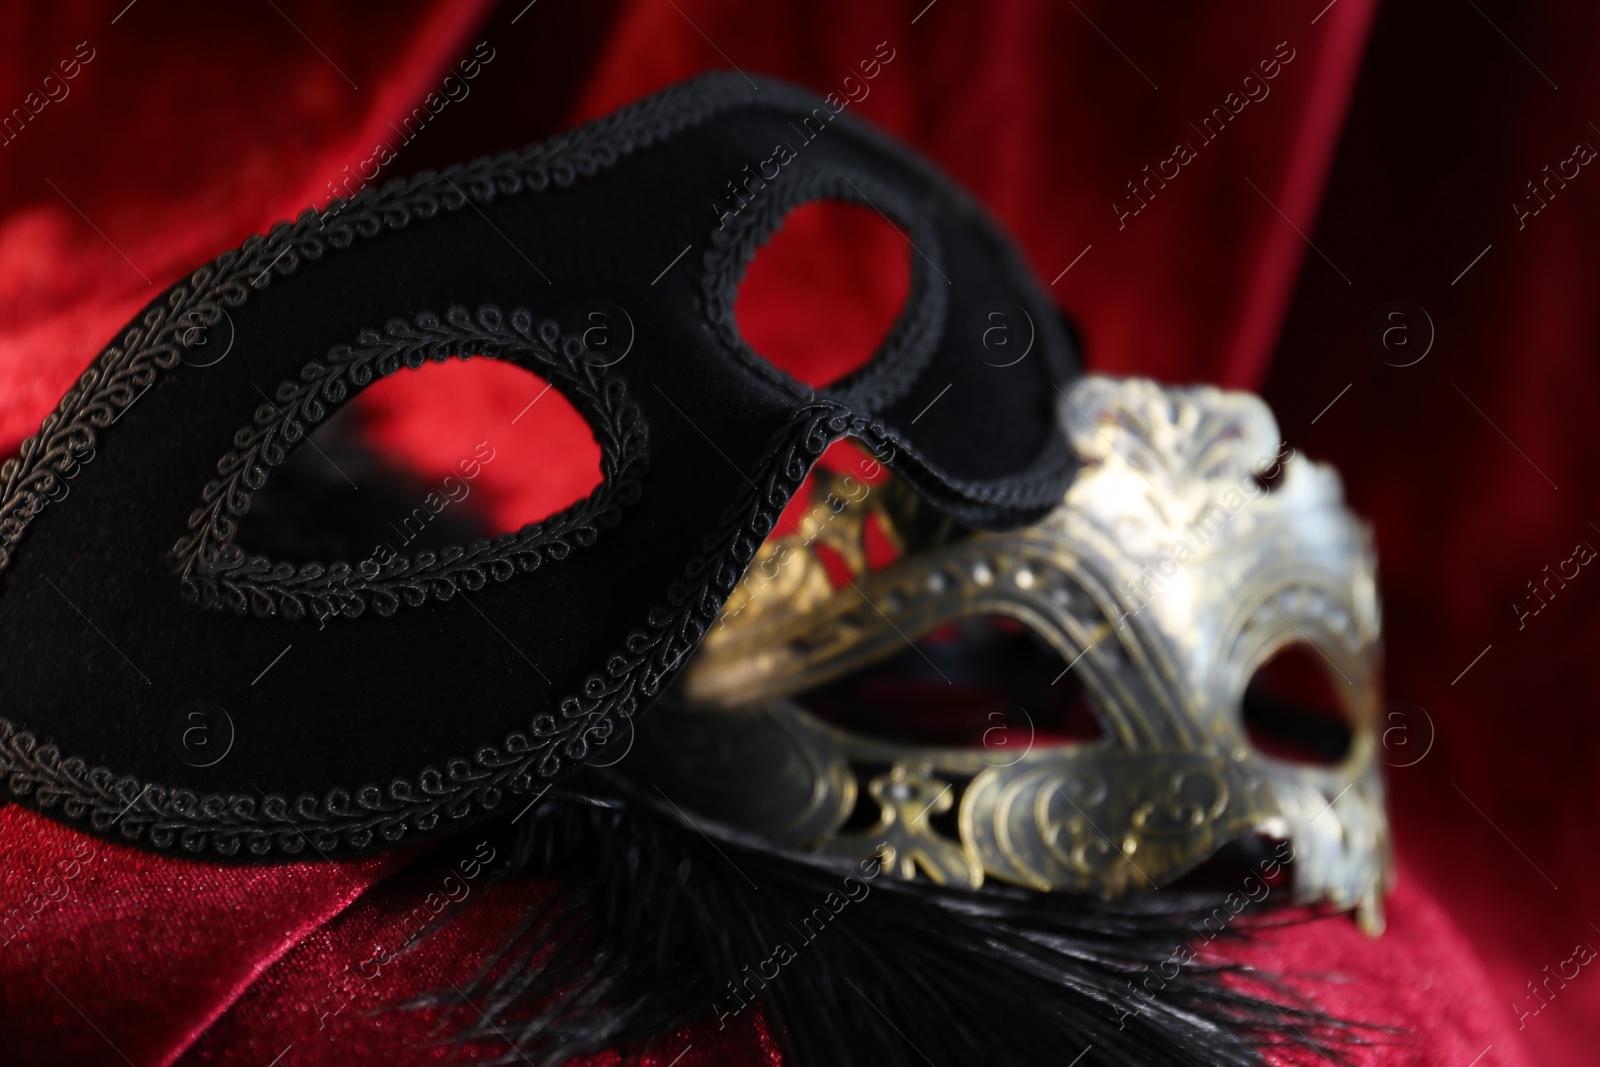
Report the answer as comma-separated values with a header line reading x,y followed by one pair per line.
x,y
659,921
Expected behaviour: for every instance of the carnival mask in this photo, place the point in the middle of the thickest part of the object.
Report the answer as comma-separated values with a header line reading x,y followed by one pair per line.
x,y
1191,548
128,605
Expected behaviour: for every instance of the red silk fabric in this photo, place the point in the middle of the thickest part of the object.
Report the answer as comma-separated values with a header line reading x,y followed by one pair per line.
x,y
192,126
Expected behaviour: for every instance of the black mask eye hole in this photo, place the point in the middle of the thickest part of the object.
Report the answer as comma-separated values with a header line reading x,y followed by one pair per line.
x,y
817,314
443,454
1293,711
214,571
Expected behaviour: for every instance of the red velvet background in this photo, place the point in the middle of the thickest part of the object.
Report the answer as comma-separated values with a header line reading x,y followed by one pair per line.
x,y
1385,159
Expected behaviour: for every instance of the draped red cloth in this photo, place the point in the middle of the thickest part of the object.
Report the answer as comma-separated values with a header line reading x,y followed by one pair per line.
x,y
1378,162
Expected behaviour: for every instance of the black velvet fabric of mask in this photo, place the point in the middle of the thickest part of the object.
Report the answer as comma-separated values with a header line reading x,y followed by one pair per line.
x,y
418,693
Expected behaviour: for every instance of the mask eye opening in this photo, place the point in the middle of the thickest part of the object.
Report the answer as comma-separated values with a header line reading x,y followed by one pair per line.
x,y
214,572
903,244
409,463
984,683
823,294
1293,710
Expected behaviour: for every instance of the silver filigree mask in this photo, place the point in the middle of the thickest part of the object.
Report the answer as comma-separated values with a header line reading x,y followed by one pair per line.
x,y
1192,548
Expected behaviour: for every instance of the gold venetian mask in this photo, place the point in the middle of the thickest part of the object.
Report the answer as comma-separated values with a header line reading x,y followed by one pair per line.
x,y
1191,549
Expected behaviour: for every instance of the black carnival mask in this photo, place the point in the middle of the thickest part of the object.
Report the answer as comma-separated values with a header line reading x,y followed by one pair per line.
x,y
130,615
